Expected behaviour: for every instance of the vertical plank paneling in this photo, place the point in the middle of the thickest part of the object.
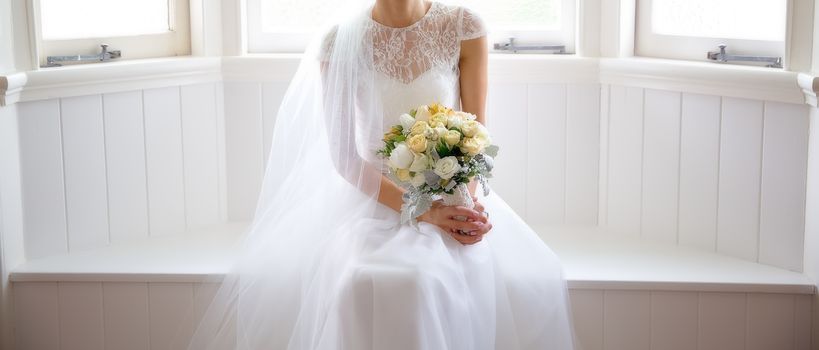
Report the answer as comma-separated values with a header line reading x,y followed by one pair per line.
x,y
126,316
221,148
506,112
802,318
674,320
784,178
587,313
722,321
661,149
625,159
170,308
770,321
86,194
41,171
200,154
699,170
81,316
125,162
582,152
163,146
272,95
36,316
739,177
546,154
243,148
626,320
603,178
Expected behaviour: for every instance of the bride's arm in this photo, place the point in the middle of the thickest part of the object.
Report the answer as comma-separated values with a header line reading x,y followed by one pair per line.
x,y
473,81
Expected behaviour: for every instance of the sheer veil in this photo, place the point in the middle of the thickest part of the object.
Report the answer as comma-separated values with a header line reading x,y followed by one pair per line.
x,y
321,182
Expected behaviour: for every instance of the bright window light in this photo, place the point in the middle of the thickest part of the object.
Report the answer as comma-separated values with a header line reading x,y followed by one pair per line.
x,y
76,19
728,19
305,15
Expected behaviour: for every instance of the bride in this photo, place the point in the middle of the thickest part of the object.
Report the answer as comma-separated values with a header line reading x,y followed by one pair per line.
x,y
326,263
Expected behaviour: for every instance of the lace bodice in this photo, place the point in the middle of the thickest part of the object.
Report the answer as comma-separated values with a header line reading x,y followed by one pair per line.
x,y
406,53
418,64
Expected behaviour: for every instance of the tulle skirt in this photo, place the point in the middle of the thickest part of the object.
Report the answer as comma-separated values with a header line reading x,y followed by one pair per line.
x,y
414,288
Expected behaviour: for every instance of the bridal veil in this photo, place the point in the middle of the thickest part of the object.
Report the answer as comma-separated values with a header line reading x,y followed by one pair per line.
x,y
322,179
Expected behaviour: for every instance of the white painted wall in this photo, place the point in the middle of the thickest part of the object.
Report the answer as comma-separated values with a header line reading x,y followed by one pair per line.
x,y
11,217
136,315
112,167
6,38
724,174
812,220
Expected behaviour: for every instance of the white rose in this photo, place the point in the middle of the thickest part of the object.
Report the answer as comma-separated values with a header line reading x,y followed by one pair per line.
x,y
483,136
406,121
401,157
420,163
447,167
423,113
454,121
418,180
465,115
470,128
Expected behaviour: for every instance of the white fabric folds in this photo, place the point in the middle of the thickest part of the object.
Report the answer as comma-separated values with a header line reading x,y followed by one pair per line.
x,y
324,265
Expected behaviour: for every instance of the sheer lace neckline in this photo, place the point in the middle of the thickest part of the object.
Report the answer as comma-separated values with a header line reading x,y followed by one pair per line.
x,y
426,15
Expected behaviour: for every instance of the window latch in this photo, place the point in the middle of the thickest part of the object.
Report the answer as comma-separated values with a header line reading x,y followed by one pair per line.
x,y
103,56
722,57
514,48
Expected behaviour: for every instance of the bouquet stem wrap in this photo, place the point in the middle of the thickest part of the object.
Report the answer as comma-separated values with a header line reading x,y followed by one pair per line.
x,y
460,197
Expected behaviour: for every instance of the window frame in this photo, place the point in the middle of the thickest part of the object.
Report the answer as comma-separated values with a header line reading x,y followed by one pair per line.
x,y
650,44
259,42
175,42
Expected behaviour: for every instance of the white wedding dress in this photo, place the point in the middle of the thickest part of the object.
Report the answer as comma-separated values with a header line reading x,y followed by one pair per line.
x,y
419,288
324,265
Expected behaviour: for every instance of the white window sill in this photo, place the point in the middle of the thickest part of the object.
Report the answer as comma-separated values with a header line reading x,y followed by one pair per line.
x,y
686,76
591,258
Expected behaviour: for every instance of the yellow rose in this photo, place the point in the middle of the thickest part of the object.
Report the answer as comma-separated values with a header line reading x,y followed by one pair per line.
x,y
403,174
471,146
420,127
418,143
483,136
452,137
438,119
470,128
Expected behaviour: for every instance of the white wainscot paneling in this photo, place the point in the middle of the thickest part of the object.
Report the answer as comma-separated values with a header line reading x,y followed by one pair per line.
x,y
243,147
661,157
582,153
699,170
162,315
718,173
506,117
86,193
784,185
739,178
41,170
545,154
625,156
199,130
125,161
165,170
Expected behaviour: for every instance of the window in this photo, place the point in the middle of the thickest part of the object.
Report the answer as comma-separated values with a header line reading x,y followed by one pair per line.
x,y
687,29
137,28
286,25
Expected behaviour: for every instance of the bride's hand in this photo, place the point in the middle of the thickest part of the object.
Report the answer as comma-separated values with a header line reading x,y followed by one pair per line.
x,y
443,216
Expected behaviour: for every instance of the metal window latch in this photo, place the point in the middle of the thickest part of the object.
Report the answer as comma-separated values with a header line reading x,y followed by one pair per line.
x,y
722,57
104,55
511,46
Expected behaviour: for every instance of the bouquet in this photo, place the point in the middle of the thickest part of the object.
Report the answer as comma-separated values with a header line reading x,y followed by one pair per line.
x,y
435,152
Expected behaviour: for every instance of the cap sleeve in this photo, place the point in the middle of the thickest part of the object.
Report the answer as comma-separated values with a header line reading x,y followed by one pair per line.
x,y
326,44
472,25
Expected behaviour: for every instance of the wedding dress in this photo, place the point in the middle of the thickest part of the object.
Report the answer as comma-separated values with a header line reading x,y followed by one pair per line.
x,y
369,282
